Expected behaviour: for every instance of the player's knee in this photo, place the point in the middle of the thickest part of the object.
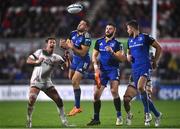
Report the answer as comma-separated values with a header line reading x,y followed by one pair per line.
x,y
75,83
114,93
96,97
32,98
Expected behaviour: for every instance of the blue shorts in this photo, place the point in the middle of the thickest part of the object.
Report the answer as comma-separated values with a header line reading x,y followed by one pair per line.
x,y
80,65
109,76
136,74
131,82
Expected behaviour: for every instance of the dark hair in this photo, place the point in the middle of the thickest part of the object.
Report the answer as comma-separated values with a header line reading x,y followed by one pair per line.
x,y
133,23
50,38
87,22
111,24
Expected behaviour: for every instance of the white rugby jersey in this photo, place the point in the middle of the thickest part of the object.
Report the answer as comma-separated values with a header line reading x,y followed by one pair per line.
x,y
42,72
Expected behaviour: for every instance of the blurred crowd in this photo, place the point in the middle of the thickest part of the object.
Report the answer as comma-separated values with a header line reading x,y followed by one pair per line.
x,y
121,11
41,18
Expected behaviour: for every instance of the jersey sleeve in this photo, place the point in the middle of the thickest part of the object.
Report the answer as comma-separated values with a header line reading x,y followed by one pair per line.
x,y
36,54
71,35
57,58
118,46
149,39
87,39
96,46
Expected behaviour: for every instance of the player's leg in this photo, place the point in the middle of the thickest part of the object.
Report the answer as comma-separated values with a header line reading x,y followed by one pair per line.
x,y
130,93
81,67
152,107
142,81
53,94
97,106
33,93
117,101
76,78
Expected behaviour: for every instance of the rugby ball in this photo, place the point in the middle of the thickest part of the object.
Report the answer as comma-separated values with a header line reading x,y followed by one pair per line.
x,y
74,8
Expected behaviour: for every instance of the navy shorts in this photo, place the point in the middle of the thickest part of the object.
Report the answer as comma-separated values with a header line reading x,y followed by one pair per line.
x,y
109,76
80,65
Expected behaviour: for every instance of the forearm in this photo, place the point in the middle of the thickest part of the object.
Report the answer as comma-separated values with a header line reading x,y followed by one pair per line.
x,y
157,54
32,62
79,51
120,57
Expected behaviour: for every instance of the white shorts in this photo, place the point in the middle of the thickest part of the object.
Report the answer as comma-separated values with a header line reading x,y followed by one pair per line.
x,y
42,85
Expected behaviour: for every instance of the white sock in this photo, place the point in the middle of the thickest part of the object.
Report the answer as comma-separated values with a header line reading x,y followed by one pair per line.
x,y
61,111
29,112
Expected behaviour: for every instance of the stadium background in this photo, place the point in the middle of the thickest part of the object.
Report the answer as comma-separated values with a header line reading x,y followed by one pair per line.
x,y
26,23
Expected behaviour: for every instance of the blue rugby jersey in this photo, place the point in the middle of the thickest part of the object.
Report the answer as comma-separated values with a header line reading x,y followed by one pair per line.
x,y
139,49
79,40
107,60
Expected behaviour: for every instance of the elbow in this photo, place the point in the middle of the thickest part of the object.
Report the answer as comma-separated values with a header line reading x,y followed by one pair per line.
x,y
28,61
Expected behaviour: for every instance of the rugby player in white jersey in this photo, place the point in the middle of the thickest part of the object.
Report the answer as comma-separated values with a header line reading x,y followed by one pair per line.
x,y
44,60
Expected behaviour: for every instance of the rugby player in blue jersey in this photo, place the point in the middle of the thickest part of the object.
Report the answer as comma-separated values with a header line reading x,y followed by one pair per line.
x,y
138,54
79,42
108,52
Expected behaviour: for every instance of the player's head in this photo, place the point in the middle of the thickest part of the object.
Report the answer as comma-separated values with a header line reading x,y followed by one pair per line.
x,y
132,26
50,43
83,26
110,30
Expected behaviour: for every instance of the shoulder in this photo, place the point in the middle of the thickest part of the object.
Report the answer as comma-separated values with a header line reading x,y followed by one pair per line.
x,y
57,57
100,39
73,32
145,35
87,35
148,36
117,41
38,51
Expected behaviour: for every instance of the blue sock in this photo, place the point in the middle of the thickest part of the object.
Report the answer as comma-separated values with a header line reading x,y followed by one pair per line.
x,y
144,99
152,108
118,114
77,94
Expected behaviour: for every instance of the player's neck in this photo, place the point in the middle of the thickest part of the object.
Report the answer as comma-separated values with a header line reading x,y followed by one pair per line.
x,y
49,51
81,32
136,33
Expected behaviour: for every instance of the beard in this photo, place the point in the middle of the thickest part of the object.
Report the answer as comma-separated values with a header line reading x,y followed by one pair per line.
x,y
109,35
130,34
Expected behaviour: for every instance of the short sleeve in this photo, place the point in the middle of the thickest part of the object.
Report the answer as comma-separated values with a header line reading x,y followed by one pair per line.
x,y
36,54
87,41
71,35
96,46
118,46
149,39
